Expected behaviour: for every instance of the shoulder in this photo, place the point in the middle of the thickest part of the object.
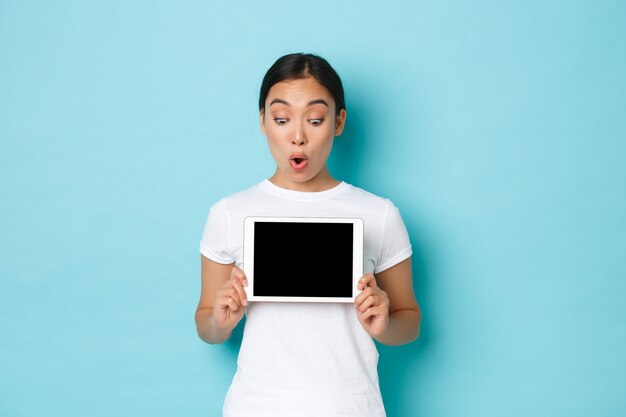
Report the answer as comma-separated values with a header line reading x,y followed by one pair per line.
x,y
239,198
371,200
377,208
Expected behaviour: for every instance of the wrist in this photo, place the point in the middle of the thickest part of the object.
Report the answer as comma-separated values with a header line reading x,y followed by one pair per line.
x,y
218,333
386,334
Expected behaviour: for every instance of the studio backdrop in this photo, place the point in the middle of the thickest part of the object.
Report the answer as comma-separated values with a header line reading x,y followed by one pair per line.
x,y
497,128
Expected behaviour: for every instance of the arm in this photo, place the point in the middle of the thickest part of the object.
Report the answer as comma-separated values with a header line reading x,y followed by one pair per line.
x,y
222,301
387,307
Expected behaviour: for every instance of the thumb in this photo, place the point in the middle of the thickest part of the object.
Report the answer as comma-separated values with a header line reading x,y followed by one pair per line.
x,y
368,280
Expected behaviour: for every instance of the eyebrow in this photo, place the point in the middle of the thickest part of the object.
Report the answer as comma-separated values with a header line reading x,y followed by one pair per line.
x,y
310,103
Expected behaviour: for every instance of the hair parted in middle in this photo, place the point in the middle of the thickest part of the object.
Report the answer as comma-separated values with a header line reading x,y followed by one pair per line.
x,y
300,65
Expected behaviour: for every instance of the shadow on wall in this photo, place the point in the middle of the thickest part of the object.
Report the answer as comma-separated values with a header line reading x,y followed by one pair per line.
x,y
399,366
233,344
349,148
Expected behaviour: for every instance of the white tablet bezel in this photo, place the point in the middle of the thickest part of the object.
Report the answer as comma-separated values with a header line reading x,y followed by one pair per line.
x,y
357,256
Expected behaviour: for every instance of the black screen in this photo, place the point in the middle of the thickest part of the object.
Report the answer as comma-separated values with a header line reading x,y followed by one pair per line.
x,y
303,259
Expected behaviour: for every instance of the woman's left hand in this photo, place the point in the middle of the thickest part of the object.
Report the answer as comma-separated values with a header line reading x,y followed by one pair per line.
x,y
372,307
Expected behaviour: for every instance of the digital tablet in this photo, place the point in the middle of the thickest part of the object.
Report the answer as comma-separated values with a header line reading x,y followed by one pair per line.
x,y
302,259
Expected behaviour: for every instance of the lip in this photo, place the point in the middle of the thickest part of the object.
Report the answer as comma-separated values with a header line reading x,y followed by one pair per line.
x,y
298,161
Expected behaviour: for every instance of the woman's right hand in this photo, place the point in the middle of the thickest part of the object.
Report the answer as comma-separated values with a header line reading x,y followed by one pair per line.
x,y
230,301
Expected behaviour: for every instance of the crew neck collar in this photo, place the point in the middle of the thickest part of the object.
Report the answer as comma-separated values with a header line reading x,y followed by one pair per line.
x,y
272,188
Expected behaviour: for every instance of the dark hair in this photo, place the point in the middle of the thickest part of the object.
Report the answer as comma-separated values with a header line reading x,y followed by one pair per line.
x,y
298,66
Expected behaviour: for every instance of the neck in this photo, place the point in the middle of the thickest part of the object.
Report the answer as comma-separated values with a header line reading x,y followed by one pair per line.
x,y
321,182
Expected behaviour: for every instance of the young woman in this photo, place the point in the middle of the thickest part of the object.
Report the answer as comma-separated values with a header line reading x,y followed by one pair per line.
x,y
306,359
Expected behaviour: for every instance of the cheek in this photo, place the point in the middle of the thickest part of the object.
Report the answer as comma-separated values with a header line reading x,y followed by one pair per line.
x,y
271,144
271,135
326,147
274,132
322,134
275,149
329,137
329,145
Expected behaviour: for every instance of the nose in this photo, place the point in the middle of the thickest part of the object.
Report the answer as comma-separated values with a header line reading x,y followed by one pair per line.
x,y
299,136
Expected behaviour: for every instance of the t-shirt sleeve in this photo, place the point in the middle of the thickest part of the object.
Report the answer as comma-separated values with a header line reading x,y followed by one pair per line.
x,y
395,246
214,243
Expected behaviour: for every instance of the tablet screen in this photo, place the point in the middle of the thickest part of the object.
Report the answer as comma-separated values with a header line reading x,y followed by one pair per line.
x,y
303,259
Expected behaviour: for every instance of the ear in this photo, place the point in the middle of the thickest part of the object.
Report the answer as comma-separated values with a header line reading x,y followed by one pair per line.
x,y
340,122
262,121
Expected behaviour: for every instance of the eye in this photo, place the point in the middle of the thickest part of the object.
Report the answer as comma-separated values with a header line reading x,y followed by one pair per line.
x,y
280,120
316,122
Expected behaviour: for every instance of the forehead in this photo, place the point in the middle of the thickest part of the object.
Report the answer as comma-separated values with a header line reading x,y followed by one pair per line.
x,y
299,91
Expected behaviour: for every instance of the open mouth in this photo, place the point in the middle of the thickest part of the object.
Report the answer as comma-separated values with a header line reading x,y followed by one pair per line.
x,y
298,162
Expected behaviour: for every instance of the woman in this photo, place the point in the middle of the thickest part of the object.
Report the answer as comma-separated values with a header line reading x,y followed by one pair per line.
x,y
306,359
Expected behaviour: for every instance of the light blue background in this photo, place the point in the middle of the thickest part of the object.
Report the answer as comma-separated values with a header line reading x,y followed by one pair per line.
x,y
498,129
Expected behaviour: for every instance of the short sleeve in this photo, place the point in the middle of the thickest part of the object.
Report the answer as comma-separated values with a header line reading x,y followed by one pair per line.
x,y
395,246
215,237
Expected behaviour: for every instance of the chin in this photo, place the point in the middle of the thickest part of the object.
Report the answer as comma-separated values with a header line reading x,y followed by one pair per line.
x,y
299,176
301,180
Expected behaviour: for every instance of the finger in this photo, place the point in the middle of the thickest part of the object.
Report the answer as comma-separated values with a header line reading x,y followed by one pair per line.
x,y
376,311
239,275
367,280
366,314
367,303
232,304
229,292
241,293
226,302
363,295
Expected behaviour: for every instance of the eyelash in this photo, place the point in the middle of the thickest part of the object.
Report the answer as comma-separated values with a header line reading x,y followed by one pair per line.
x,y
281,121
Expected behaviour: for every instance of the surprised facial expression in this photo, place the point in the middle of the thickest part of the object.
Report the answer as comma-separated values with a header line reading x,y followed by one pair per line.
x,y
300,123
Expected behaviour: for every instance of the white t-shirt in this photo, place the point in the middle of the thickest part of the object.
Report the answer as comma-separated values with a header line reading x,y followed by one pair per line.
x,y
306,359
